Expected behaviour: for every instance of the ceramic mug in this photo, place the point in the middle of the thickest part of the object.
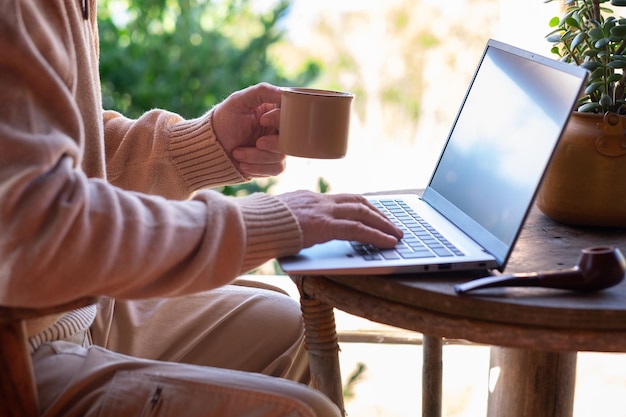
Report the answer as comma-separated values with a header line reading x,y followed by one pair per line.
x,y
314,123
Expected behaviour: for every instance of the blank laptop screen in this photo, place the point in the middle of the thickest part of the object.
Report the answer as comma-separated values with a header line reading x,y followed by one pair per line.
x,y
502,139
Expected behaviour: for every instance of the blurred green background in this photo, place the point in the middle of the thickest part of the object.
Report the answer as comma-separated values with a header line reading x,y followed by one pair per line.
x,y
187,55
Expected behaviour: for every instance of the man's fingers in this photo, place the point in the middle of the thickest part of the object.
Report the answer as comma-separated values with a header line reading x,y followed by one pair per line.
x,y
271,118
324,217
260,171
370,217
256,95
361,232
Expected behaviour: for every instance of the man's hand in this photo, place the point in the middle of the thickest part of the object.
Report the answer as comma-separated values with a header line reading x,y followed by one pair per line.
x,y
246,124
324,217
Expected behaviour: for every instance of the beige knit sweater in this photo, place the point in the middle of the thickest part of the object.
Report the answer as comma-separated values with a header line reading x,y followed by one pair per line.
x,y
92,203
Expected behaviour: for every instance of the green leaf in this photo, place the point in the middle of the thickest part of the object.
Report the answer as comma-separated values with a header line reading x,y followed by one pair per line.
x,y
580,38
616,64
619,31
554,22
596,33
594,87
598,73
591,65
589,107
601,43
605,100
554,38
570,21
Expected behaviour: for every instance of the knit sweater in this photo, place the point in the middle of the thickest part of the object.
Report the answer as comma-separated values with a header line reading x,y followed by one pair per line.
x,y
95,204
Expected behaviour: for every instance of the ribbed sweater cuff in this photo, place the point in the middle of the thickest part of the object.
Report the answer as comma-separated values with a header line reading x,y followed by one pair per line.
x,y
199,157
272,230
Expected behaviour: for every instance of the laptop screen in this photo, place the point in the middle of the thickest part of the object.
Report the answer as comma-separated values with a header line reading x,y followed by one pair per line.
x,y
501,142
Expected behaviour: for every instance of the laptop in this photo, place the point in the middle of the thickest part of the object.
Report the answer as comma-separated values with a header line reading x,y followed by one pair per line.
x,y
485,181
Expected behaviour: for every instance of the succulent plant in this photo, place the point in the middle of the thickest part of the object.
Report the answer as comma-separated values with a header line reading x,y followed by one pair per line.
x,y
591,36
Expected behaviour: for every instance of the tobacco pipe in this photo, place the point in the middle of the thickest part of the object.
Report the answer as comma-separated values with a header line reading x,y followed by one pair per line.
x,y
598,268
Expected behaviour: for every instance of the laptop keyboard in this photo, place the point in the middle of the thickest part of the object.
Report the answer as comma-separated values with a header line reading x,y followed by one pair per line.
x,y
420,239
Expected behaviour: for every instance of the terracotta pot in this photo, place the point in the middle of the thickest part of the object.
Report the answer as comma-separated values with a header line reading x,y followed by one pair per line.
x,y
586,182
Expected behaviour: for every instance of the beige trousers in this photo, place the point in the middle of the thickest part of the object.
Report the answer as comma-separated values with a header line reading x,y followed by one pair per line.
x,y
222,353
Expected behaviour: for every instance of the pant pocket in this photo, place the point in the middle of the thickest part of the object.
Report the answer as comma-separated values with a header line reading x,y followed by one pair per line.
x,y
128,394
153,395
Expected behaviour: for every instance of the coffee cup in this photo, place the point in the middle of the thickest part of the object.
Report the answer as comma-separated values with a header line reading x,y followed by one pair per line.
x,y
314,123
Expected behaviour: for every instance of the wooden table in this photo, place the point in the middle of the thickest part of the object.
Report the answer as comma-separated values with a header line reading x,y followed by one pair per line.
x,y
535,333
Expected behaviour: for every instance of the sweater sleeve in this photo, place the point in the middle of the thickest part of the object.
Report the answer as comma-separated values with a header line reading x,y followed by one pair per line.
x,y
162,154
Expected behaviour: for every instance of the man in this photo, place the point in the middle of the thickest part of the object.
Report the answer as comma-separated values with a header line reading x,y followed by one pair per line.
x,y
92,203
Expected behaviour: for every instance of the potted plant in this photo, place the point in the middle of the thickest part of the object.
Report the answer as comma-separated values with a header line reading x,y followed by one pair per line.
x,y
586,182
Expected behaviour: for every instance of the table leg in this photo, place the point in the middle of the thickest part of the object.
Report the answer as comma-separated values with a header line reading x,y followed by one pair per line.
x,y
531,383
323,348
432,376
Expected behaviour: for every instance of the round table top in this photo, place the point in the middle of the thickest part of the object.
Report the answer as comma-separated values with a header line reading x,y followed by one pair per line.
x,y
542,245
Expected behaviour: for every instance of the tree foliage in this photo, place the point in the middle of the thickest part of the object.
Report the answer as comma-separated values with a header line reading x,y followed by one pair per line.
x,y
187,55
